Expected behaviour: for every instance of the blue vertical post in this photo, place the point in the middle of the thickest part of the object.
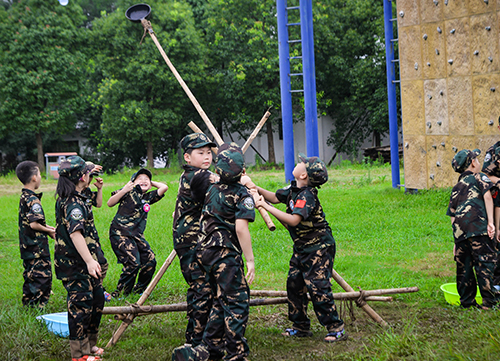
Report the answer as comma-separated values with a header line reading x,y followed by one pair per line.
x,y
285,85
391,93
308,69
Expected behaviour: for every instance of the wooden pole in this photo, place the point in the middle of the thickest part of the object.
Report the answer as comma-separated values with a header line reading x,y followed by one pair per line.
x,y
255,131
147,26
130,317
279,298
265,293
374,315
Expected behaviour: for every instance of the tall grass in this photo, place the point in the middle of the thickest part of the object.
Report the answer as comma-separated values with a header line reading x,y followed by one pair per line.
x,y
385,239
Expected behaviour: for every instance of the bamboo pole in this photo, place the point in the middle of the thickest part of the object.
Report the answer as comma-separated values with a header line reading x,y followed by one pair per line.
x,y
255,131
130,317
374,315
147,26
265,293
179,307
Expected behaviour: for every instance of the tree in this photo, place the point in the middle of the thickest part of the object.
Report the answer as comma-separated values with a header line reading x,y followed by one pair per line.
x,y
41,70
142,102
350,69
244,63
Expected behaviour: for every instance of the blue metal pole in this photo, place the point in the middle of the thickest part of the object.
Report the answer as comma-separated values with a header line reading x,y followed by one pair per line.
x,y
391,93
286,95
311,112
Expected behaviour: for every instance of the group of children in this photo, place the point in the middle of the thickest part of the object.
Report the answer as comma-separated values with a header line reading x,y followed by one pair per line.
x,y
210,235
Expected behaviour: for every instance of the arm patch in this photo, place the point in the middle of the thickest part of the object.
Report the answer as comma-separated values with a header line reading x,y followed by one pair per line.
x,y
300,203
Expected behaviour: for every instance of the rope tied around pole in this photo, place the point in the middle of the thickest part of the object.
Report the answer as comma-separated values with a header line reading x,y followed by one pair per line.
x,y
147,27
360,302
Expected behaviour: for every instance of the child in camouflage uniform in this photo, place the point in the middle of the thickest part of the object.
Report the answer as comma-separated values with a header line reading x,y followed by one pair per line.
x,y
33,241
471,212
313,249
491,167
127,231
186,226
224,237
76,258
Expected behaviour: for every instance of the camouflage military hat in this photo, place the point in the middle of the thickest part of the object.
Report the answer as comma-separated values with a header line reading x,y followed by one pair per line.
x,y
196,140
316,170
463,159
142,171
230,163
74,167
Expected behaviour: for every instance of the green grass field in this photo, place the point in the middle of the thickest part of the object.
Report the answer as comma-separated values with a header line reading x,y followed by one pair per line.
x,y
385,239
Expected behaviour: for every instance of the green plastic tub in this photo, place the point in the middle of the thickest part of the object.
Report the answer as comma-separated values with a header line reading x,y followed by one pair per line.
x,y
451,294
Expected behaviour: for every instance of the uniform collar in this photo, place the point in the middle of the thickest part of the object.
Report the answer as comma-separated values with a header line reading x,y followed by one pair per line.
x,y
465,174
38,195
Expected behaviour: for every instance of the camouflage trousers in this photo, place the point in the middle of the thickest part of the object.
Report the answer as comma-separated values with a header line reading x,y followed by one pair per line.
x,y
476,254
37,282
496,273
85,303
311,273
228,317
199,295
138,261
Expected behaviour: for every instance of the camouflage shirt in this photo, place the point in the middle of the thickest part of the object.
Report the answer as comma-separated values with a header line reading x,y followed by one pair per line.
x,y
92,201
72,215
31,243
186,226
224,204
491,158
467,206
313,232
132,215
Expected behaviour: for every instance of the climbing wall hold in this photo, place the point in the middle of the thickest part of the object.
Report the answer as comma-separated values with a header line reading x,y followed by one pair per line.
x,y
454,149
425,36
441,92
432,176
490,122
437,52
402,14
428,64
450,61
416,66
476,52
452,31
439,122
443,144
434,146
429,125
488,28
492,89
490,59
429,96
438,164
439,30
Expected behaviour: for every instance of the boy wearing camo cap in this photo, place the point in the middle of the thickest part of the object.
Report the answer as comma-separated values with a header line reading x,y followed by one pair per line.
x,y
311,264
126,232
471,212
193,184
224,237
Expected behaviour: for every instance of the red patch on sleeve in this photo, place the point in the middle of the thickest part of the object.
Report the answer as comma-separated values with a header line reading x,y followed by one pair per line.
x,y
300,203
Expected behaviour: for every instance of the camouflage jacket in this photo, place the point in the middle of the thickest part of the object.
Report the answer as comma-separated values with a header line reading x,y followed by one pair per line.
x,y
186,225
491,158
31,243
467,206
224,204
313,232
72,214
92,201
132,215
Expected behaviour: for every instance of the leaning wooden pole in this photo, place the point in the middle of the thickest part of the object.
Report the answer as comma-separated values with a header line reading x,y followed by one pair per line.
x,y
374,315
130,316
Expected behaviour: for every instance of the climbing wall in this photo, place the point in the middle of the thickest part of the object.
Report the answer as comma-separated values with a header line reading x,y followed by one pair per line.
x,y
450,84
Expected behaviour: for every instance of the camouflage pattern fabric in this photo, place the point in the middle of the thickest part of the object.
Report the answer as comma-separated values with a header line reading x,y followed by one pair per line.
x,y
71,216
92,201
491,160
186,224
224,204
230,163
311,273
195,141
85,304
463,159
229,314
313,232
467,206
316,170
37,282
496,203
476,254
32,244
190,353
74,168
127,240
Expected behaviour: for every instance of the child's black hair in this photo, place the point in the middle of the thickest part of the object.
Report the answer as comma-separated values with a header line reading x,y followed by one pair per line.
x,y
26,170
189,151
65,187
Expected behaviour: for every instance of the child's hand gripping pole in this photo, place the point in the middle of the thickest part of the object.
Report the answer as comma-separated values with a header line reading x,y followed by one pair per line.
x,y
247,182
